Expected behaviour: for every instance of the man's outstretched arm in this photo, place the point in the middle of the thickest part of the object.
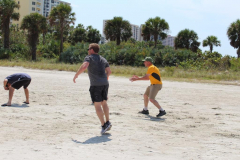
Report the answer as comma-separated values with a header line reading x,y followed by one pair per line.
x,y
82,68
136,78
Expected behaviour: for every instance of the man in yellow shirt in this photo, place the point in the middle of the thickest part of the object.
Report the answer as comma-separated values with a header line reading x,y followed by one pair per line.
x,y
153,74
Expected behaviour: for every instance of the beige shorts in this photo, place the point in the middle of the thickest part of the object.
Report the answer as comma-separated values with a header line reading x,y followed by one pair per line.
x,y
153,90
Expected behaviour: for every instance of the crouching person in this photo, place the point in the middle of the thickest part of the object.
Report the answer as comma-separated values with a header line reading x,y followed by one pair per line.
x,y
16,81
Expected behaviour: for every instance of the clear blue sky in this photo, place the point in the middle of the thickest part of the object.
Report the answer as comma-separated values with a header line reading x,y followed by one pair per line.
x,y
205,17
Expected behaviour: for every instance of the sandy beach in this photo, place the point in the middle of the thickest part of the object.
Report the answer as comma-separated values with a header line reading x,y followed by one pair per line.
x,y
202,121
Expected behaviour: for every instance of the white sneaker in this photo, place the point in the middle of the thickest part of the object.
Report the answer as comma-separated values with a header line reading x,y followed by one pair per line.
x,y
109,125
106,127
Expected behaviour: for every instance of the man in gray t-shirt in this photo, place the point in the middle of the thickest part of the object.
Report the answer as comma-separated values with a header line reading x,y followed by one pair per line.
x,y
98,72
96,69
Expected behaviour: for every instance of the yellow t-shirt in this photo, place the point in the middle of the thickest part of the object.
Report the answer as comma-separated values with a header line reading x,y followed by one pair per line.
x,y
155,76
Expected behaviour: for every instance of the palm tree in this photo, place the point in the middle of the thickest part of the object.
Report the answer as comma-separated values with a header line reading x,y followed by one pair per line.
x,y
126,34
7,12
93,35
44,32
233,34
34,24
187,39
115,28
146,33
211,41
62,16
109,33
157,27
79,34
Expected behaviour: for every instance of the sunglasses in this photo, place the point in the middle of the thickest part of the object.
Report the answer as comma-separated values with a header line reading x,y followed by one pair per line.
x,y
89,49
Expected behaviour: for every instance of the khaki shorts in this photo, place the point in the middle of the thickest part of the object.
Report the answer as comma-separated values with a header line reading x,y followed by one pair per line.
x,y
153,90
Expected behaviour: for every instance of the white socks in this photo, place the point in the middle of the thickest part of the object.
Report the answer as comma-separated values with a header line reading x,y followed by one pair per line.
x,y
161,109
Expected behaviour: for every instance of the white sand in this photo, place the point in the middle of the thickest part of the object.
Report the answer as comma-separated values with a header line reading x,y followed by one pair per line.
x,y
202,121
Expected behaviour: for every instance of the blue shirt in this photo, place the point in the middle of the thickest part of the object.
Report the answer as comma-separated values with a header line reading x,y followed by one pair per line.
x,y
17,76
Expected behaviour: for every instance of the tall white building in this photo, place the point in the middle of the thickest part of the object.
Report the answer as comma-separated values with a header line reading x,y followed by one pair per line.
x,y
49,4
103,38
104,24
169,41
136,32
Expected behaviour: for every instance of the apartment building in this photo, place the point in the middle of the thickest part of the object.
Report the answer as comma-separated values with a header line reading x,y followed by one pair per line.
x,y
49,4
27,7
104,24
136,32
42,7
169,41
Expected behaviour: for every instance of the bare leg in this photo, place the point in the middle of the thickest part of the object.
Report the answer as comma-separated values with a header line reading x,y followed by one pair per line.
x,y
106,110
11,91
27,95
99,112
146,100
155,103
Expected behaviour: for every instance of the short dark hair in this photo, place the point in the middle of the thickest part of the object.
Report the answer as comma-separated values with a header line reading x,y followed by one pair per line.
x,y
95,47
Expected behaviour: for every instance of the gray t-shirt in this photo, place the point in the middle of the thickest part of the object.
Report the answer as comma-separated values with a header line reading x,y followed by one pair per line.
x,y
96,69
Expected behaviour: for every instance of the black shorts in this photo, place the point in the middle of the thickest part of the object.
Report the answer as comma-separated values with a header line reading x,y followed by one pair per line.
x,y
21,82
99,93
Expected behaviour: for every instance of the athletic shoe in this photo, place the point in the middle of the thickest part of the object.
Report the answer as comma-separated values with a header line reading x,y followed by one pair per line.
x,y
144,112
105,128
108,124
161,113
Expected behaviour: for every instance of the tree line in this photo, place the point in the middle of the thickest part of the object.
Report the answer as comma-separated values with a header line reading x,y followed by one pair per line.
x,y
33,25
155,28
57,29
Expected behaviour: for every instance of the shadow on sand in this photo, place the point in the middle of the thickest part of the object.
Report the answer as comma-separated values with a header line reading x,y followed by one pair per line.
x,y
17,106
151,118
95,140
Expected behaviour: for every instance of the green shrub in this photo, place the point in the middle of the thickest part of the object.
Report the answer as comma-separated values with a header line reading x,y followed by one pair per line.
x,y
20,51
235,64
169,71
74,54
49,49
4,53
